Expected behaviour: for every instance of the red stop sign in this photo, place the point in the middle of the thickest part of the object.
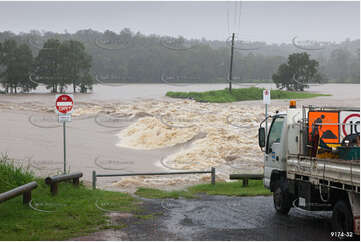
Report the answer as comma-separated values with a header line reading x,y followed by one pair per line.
x,y
64,103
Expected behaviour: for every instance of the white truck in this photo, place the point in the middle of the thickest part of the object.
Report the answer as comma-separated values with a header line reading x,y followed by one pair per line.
x,y
312,162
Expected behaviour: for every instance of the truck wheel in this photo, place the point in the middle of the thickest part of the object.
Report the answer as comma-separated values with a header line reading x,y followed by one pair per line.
x,y
281,200
342,219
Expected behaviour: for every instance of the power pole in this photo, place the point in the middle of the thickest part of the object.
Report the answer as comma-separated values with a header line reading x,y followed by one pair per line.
x,y
231,65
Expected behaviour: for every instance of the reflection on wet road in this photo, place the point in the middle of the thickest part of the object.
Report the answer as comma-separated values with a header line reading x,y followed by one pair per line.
x,y
228,218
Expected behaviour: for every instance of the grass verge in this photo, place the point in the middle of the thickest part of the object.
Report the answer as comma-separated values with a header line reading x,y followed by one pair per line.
x,y
255,188
71,213
78,211
240,94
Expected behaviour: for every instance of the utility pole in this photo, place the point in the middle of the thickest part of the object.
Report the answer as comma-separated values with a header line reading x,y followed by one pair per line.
x,y
231,65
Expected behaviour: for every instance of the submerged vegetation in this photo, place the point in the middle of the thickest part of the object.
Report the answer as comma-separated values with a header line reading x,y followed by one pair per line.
x,y
240,94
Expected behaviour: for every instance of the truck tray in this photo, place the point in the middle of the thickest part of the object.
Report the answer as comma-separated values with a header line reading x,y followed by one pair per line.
x,y
336,173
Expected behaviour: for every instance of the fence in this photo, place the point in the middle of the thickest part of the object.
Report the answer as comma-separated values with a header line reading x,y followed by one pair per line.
x,y
212,172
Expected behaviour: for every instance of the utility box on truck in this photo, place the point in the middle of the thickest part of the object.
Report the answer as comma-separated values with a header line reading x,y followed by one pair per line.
x,y
312,161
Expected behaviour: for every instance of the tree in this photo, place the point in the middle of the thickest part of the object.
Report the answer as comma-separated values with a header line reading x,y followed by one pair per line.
x,y
283,77
298,71
7,61
24,66
1,61
75,65
355,68
47,65
16,62
339,64
1,53
61,64
86,82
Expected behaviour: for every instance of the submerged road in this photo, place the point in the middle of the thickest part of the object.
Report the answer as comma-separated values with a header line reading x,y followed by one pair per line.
x,y
219,218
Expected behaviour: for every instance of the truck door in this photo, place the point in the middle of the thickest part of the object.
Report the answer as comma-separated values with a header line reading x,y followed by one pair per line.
x,y
274,151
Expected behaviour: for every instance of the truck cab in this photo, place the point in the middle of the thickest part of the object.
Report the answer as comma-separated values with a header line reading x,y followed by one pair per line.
x,y
274,150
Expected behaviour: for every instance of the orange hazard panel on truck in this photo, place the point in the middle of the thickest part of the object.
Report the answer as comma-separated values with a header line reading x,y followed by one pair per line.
x,y
326,124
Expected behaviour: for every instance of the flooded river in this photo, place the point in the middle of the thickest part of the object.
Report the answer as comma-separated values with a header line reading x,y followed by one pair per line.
x,y
135,128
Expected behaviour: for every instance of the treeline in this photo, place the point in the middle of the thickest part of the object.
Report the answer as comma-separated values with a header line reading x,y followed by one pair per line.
x,y
57,65
134,57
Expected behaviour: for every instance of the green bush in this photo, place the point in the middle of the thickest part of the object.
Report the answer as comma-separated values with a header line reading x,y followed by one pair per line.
x,y
12,176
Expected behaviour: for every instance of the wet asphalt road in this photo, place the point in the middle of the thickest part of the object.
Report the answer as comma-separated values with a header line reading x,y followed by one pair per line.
x,y
226,218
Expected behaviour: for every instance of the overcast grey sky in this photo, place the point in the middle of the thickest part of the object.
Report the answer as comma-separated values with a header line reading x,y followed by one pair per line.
x,y
273,22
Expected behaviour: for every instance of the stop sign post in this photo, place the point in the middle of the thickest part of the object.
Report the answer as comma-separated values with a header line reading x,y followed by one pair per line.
x,y
64,107
266,101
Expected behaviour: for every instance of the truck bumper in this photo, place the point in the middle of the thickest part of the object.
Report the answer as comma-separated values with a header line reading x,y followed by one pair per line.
x,y
354,199
356,225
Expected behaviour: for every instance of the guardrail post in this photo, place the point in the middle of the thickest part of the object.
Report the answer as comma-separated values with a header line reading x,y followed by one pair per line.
x,y
245,182
76,181
213,178
26,197
94,180
54,188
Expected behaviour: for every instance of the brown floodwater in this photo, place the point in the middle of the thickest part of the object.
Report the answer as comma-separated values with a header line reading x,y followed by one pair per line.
x,y
134,128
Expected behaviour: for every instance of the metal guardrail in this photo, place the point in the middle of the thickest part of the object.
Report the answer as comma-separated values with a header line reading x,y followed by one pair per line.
x,y
25,190
212,172
246,177
54,180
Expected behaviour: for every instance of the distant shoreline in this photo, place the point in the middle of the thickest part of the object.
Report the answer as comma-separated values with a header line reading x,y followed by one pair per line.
x,y
192,83
342,94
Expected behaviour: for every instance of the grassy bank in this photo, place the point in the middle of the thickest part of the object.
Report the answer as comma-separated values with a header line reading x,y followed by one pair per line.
x,y
255,188
73,212
76,210
240,94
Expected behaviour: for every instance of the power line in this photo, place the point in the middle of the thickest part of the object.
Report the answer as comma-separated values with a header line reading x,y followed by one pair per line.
x,y
227,16
239,17
235,17
233,14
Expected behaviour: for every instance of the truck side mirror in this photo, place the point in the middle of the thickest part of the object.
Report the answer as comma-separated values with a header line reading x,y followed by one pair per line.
x,y
262,137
